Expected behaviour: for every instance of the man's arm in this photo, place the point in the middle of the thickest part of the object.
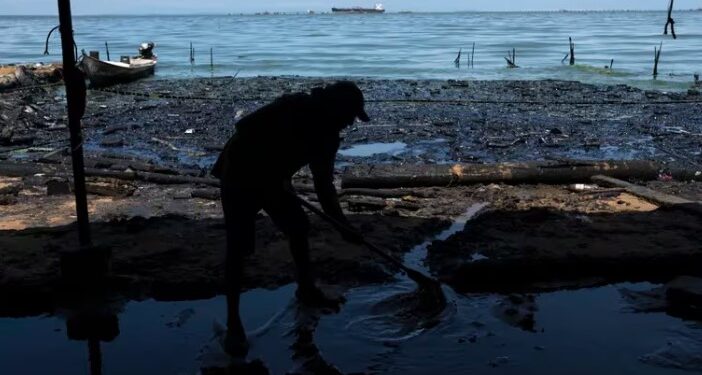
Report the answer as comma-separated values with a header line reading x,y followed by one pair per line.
x,y
323,176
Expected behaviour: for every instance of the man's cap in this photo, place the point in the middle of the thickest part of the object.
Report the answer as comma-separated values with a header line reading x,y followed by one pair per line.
x,y
348,92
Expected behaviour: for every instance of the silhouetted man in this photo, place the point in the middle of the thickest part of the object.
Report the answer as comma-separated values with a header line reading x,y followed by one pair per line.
x,y
256,169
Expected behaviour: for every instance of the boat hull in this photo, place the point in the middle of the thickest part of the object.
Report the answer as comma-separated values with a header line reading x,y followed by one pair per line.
x,y
357,10
105,73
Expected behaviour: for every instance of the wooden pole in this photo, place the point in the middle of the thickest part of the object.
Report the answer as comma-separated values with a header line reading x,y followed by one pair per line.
x,y
107,51
472,57
211,59
75,97
670,21
656,58
457,61
572,51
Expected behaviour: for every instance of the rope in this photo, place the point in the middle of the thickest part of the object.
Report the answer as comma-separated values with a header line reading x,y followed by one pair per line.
x,y
413,101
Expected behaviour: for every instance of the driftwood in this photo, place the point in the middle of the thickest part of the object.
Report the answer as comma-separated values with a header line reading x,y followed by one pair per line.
x,y
388,176
111,188
375,204
656,197
214,194
386,193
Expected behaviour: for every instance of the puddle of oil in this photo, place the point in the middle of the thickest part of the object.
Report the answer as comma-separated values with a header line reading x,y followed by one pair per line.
x,y
577,332
370,149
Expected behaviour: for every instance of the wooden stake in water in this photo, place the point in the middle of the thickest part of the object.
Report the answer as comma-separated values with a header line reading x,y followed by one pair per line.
x,y
472,56
572,51
192,54
656,57
211,60
512,59
107,51
457,61
670,21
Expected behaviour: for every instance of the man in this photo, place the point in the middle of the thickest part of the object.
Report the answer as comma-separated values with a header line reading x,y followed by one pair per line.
x,y
256,168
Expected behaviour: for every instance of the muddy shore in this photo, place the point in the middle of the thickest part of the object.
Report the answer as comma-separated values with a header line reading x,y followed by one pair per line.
x,y
186,122
168,242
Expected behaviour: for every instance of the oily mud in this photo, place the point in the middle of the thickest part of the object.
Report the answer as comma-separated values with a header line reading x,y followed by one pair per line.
x,y
175,257
185,123
545,248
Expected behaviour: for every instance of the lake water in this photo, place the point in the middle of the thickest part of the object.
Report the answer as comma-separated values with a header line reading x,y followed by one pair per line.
x,y
412,46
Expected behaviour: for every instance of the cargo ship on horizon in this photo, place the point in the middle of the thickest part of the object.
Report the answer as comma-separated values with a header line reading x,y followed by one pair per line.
x,y
377,9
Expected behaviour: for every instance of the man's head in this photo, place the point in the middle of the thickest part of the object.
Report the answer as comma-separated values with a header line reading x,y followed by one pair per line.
x,y
343,101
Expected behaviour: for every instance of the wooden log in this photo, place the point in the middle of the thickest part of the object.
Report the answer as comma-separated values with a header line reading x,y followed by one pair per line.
x,y
115,188
211,194
157,178
375,204
407,176
662,199
385,193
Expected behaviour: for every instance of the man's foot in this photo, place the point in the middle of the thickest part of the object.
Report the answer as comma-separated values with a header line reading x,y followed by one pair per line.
x,y
235,345
313,296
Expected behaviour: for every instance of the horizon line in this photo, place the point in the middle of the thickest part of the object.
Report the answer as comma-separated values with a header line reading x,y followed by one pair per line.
x,y
329,12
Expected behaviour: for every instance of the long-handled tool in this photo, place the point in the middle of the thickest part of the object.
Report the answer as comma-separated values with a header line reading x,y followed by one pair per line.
x,y
426,283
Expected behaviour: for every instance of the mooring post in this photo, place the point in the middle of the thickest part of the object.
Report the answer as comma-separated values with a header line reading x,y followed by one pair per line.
x,y
75,97
107,51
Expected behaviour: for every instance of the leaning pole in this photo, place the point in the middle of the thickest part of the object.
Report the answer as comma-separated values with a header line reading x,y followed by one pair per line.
x,y
76,99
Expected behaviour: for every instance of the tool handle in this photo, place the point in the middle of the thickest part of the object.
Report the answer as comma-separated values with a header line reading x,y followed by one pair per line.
x,y
341,227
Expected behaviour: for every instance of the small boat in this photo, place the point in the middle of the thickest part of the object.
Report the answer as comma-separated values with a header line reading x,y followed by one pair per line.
x,y
104,72
377,9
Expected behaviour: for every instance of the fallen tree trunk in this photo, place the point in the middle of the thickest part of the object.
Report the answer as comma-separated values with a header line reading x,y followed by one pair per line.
x,y
392,176
12,169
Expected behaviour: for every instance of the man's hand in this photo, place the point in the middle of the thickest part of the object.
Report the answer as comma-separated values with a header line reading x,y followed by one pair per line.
x,y
352,235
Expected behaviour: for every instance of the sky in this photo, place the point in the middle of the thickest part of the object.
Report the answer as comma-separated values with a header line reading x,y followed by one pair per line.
x,y
49,7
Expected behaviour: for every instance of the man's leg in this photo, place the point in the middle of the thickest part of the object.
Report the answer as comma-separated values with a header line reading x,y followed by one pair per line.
x,y
240,221
289,216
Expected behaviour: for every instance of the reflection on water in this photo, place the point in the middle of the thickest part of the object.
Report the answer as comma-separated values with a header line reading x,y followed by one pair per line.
x,y
585,331
377,330
371,149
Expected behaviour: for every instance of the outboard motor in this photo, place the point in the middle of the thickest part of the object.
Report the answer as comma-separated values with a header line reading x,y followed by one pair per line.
x,y
146,50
